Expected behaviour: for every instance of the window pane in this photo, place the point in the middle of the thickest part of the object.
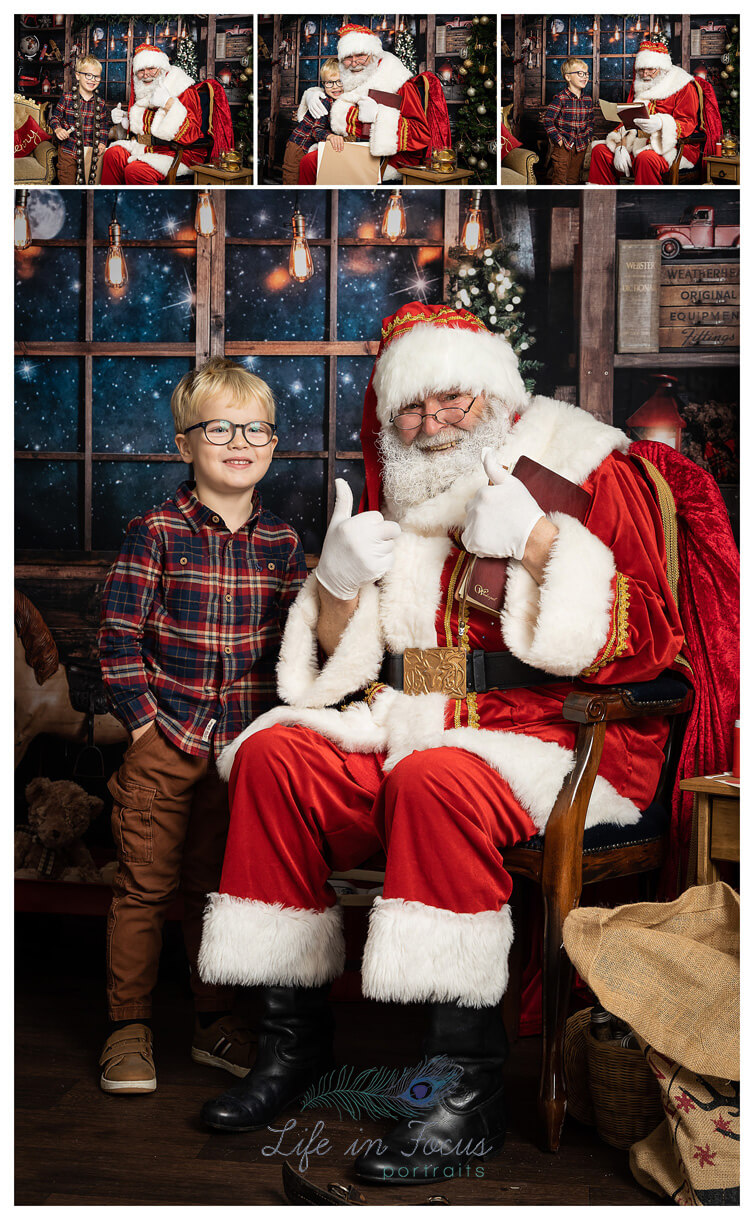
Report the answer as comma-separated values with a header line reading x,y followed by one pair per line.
x,y
360,213
55,213
309,38
147,215
40,485
557,36
263,302
353,472
295,489
124,490
611,36
353,378
264,214
160,300
48,392
131,404
116,75
298,386
368,279
308,71
49,300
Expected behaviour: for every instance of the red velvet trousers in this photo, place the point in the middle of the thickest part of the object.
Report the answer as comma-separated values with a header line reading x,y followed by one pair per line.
x,y
307,169
116,170
301,807
648,167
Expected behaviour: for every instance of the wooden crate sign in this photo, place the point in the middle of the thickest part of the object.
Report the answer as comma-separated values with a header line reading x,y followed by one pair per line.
x,y
700,273
721,296
699,317
638,296
706,337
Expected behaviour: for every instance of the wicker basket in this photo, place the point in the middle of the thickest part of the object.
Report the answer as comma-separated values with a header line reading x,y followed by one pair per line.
x,y
625,1100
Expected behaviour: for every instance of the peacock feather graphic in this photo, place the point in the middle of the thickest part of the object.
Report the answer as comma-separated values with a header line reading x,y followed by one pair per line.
x,y
383,1092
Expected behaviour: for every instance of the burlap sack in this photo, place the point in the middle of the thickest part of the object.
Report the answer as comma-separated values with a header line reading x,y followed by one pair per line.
x,y
670,970
693,1155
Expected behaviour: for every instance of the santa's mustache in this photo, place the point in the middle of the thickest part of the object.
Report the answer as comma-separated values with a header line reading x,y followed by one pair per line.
x,y
143,89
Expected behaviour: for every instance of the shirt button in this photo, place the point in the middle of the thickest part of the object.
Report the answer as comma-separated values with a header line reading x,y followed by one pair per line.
x,y
183,560
227,650
271,566
228,597
215,520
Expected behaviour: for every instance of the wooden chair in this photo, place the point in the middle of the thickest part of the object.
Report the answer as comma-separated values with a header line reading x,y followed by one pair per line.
x,y
679,177
203,145
565,858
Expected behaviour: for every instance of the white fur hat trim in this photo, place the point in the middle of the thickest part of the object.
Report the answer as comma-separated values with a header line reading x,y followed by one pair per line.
x,y
150,57
356,43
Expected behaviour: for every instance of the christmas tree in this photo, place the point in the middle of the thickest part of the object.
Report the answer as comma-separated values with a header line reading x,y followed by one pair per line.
x,y
486,285
187,58
476,126
405,49
730,84
243,121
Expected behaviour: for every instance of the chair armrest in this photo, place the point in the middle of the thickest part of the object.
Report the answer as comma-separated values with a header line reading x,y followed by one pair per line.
x,y
521,161
665,696
203,144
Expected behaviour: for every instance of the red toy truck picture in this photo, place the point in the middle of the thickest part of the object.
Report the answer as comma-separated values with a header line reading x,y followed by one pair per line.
x,y
696,231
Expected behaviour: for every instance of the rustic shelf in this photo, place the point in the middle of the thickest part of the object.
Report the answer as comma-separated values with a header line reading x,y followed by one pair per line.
x,y
679,359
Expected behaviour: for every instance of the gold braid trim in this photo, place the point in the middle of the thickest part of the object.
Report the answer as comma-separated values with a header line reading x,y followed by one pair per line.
x,y
618,638
397,325
666,504
403,130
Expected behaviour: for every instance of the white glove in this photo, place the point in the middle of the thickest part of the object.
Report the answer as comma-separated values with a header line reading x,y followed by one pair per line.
x,y
500,518
119,115
622,159
160,96
648,125
313,99
367,110
356,550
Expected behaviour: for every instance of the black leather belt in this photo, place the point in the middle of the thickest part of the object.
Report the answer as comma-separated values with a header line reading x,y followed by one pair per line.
x,y
485,671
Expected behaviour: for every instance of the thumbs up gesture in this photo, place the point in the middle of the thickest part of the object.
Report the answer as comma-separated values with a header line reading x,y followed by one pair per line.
x,y
500,518
356,550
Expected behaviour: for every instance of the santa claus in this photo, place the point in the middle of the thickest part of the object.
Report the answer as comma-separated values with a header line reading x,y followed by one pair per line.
x,y
423,717
166,105
672,98
401,117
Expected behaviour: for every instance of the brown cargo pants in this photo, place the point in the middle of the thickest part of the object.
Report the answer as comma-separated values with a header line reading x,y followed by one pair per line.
x,y
565,165
170,822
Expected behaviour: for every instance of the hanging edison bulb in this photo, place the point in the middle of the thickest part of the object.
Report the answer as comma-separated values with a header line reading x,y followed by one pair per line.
x,y
205,221
116,272
300,265
472,237
394,219
21,226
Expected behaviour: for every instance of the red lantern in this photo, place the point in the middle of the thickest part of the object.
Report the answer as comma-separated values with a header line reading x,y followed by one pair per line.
x,y
445,72
46,86
658,418
701,72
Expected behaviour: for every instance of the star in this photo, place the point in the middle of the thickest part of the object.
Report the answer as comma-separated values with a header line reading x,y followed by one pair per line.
x,y
704,1156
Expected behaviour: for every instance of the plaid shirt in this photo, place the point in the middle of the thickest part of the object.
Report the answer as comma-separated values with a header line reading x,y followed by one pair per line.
x,y
310,131
63,116
192,617
570,118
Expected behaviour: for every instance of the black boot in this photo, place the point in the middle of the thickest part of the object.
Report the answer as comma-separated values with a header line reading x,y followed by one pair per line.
x,y
295,1049
467,1123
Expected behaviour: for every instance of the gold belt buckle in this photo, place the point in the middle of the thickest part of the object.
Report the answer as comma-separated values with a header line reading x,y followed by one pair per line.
x,y
435,671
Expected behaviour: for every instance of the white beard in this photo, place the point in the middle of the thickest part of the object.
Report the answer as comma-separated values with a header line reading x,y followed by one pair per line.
x,y
143,89
413,474
643,86
358,81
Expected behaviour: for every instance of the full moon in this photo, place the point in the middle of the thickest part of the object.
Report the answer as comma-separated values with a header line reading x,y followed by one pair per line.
x,y
46,211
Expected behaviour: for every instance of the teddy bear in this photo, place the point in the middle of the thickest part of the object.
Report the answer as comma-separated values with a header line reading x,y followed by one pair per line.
x,y
50,847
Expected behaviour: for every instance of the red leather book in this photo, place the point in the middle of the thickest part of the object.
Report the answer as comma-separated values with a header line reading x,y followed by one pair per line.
x,y
382,98
482,583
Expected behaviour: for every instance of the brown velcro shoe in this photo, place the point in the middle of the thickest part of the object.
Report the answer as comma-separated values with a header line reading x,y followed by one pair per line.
x,y
127,1061
227,1043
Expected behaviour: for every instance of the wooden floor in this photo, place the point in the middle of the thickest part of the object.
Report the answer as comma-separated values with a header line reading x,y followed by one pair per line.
x,y
77,1146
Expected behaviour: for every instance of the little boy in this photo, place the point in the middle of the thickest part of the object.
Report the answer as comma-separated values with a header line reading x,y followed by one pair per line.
x,y
569,122
192,617
80,105
310,130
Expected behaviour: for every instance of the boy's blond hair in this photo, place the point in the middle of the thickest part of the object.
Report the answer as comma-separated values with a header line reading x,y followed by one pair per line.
x,y
214,377
569,64
330,68
88,61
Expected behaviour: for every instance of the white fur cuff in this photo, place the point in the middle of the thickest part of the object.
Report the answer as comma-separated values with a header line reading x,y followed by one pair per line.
x,y
562,624
167,123
665,140
248,943
418,953
383,137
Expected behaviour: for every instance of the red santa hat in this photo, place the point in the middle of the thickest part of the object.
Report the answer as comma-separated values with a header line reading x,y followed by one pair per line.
x,y
357,40
425,349
146,56
653,53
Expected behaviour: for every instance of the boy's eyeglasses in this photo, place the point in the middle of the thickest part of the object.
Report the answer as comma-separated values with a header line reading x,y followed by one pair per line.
x,y
584,74
221,431
332,84
90,75
411,421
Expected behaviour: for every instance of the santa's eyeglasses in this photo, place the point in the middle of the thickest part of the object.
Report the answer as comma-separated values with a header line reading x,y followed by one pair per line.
x,y
142,72
411,420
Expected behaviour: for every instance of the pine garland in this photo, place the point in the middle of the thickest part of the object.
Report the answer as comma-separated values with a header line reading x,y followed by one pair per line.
x,y
186,57
476,123
486,285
